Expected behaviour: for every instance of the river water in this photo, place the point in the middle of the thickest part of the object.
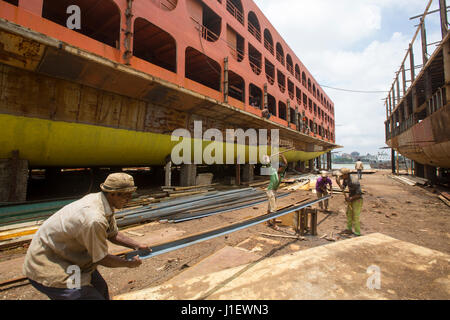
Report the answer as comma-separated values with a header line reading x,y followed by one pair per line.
x,y
348,165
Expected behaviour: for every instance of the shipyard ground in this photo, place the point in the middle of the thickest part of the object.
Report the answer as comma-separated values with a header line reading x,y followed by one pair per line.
x,y
411,214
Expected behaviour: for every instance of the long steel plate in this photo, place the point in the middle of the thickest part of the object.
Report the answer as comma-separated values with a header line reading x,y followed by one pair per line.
x,y
185,242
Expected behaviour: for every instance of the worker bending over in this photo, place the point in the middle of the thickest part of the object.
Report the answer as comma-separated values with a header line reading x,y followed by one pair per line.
x,y
74,238
322,188
354,200
275,180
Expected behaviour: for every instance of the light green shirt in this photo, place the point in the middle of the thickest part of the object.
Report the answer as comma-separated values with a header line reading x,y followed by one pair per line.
x,y
274,179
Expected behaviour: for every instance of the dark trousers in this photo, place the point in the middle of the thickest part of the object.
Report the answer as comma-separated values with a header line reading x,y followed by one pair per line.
x,y
359,174
98,291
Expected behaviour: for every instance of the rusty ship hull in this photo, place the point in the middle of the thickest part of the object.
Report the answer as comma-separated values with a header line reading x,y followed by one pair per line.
x,y
418,114
95,98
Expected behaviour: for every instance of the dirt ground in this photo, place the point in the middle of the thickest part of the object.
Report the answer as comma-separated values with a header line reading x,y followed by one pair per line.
x,y
408,213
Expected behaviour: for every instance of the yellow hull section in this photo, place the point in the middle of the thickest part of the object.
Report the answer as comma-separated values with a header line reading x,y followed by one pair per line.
x,y
62,144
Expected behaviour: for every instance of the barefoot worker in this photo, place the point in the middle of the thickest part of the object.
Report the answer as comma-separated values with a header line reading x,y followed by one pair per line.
x,y
74,239
354,200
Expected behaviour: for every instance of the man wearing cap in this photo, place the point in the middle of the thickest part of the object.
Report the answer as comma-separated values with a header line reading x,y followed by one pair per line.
x,y
359,167
275,180
354,200
63,256
322,188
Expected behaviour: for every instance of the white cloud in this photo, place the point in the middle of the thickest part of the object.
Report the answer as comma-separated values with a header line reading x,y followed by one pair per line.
x,y
350,44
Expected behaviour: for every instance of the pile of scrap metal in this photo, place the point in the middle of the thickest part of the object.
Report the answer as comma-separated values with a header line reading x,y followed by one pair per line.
x,y
19,223
194,207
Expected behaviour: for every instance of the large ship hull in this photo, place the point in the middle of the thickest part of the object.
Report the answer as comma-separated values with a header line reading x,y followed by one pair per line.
x,y
69,100
427,142
47,143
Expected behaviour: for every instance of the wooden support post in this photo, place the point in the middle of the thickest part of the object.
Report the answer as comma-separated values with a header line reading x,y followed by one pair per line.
x,y
394,101
423,33
398,89
393,161
13,179
412,65
311,165
266,98
288,116
238,174
225,81
404,79
390,104
313,213
446,54
168,174
128,41
444,19
329,161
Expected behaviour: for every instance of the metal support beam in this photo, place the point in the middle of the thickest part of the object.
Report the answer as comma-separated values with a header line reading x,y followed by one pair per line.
x,y
225,80
188,241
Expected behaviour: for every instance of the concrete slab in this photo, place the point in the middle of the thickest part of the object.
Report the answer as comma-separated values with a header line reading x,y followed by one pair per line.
x,y
339,270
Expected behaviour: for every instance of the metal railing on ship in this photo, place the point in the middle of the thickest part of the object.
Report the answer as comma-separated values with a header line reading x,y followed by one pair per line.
x,y
255,32
235,12
205,32
268,46
167,4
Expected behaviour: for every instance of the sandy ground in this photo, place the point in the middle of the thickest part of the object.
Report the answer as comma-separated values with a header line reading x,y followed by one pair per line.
x,y
407,213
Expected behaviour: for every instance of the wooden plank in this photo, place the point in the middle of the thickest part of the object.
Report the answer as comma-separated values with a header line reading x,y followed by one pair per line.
x,y
67,101
88,105
109,110
129,114
444,200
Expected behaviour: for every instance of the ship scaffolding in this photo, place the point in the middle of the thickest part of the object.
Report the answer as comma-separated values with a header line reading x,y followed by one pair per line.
x,y
417,107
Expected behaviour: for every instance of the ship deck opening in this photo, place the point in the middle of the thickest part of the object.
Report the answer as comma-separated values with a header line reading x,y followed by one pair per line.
x,y
255,59
272,105
100,20
236,43
255,96
234,7
253,25
202,69
236,86
281,81
270,71
282,114
154,45
13,2
268,41
212,24
291,89
292,116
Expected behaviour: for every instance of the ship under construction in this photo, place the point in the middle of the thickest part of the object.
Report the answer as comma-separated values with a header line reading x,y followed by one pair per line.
x,y
418,104
111,91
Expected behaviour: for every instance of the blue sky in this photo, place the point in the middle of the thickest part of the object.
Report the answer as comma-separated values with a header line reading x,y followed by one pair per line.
x,y
356,45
